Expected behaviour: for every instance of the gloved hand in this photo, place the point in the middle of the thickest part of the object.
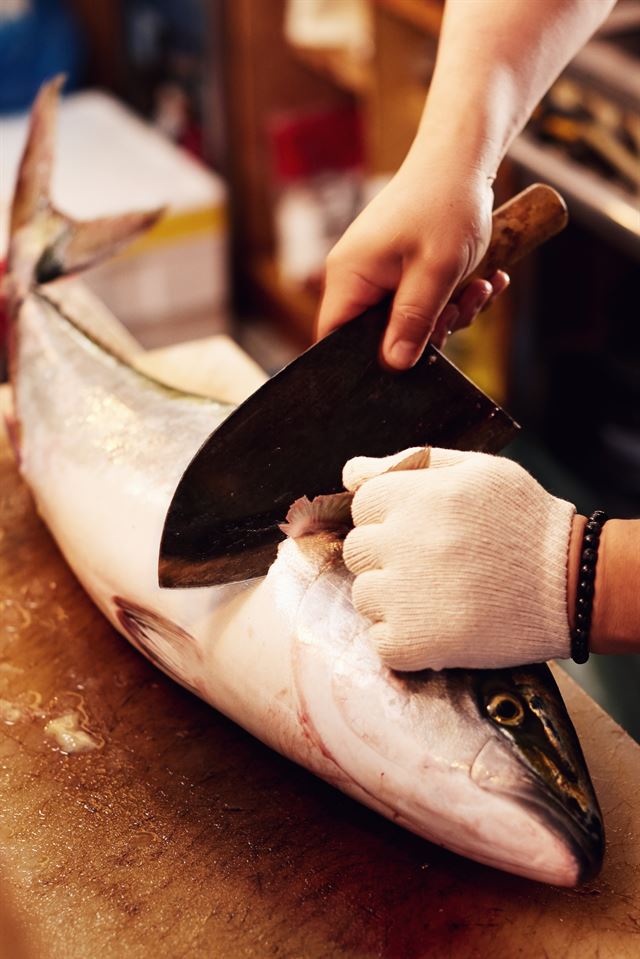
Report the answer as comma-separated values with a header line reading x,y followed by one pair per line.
x,y
461,563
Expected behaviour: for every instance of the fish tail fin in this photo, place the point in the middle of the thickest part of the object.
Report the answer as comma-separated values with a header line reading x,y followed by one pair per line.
x,y
44,243
82,244
31,195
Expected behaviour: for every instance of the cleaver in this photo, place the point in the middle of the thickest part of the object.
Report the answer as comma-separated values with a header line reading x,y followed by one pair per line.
x,y
292,436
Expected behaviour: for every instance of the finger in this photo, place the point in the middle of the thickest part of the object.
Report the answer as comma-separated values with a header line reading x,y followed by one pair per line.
x,y
500,281
471,306
361,549
366,594
346,295
359,469
441,458
472,299
451,320
401,655
418,303
371,503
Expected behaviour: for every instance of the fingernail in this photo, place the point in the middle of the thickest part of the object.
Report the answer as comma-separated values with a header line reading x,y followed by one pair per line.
x,y
402,354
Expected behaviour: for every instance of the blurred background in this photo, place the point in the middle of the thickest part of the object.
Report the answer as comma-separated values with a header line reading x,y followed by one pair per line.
x,y
264,126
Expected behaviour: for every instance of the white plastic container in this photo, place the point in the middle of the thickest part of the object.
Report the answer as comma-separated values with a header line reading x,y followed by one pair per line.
x,y
172,284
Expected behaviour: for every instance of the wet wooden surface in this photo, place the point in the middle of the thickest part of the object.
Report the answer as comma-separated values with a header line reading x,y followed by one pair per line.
x,y
184,836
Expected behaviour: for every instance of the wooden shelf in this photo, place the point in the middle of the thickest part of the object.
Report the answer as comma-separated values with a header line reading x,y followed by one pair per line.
x,y
296,308
425,14
390,93
349,72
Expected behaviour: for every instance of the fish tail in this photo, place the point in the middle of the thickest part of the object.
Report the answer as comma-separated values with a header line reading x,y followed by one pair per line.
x,y
45,244
34,174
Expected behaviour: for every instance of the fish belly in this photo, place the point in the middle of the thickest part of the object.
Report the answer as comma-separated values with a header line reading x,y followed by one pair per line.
x,y
102,452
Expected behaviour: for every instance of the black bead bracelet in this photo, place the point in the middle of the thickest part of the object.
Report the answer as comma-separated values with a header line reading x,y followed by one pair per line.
x,y
586,583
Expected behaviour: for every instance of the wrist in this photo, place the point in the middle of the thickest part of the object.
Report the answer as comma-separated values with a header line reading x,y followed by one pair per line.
x,y
615,620
573,565
615,626
450,144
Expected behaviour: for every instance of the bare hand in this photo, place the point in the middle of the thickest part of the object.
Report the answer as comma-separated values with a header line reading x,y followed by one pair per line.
x,y
420,236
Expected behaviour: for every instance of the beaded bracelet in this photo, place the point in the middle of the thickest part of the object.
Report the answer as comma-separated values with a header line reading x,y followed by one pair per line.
x,y
586,585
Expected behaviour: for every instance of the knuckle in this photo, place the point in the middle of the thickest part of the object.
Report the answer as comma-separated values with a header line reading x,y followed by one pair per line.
x,y
453,507
452,266
370,501
446,265
515,477
498,473
413,319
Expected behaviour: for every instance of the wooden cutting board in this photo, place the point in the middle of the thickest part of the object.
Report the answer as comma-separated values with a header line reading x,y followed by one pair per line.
x,y
180,835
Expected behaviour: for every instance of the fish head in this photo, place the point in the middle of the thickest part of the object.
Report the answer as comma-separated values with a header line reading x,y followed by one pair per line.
x,y
532,759
484,762
513,789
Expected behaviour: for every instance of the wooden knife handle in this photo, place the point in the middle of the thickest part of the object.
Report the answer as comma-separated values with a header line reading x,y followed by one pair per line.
x,y
519,226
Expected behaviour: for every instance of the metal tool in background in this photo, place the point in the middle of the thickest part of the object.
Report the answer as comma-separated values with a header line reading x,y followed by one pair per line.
x,y
294,434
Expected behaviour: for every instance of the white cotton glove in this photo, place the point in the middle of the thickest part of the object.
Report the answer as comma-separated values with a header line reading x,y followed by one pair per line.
x,y
461,563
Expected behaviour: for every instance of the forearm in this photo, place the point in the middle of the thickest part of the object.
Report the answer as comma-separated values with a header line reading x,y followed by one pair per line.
x,y
615,625
496,59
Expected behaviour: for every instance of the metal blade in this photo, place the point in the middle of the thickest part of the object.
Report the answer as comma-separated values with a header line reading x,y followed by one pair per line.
x,y
292,437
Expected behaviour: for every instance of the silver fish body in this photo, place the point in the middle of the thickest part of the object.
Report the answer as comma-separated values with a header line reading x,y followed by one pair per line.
x,y
485,763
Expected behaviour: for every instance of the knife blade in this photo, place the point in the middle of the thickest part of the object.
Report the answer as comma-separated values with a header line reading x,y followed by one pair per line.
x,y
294,434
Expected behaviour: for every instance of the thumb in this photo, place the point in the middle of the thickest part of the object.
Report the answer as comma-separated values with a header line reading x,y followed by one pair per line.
x,y
359,469
446,458
421,297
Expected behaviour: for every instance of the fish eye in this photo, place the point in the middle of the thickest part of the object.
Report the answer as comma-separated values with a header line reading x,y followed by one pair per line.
x,y
505,709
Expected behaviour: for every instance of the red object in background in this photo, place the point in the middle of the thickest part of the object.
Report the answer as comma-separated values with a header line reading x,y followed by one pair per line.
x,y
305,144
192,140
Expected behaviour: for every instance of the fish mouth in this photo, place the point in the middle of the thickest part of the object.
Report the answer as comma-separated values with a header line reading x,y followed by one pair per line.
x,y
575,825
583,831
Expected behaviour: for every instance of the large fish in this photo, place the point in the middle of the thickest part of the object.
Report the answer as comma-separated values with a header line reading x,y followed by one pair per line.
x,y
485,763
